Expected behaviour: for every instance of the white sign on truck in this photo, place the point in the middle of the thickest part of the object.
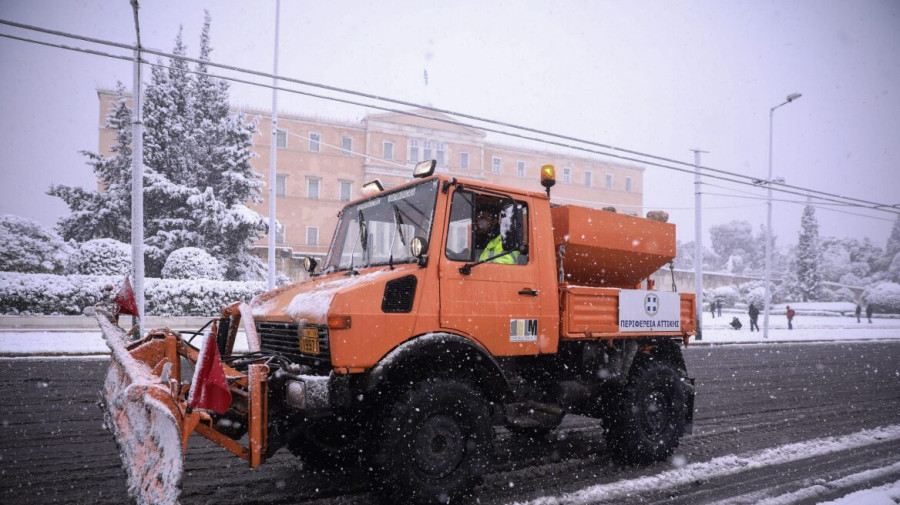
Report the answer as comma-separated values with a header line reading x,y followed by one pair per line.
x,y
649,311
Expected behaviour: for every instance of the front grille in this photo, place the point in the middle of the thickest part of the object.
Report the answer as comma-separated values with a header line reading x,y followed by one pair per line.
x,y
284,339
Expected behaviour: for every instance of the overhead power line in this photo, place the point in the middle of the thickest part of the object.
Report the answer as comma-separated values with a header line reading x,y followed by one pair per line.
x,y
821,206
709,171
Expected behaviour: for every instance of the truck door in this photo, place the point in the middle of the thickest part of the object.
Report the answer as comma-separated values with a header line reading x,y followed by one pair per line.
x,y
497,302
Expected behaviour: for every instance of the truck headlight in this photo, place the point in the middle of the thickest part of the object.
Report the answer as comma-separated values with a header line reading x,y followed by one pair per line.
x,y
296,394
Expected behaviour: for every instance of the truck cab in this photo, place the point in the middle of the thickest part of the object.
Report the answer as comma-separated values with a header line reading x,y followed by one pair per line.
x,y
494,295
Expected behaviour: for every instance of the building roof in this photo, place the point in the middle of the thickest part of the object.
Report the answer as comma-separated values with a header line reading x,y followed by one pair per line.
x,y
442,122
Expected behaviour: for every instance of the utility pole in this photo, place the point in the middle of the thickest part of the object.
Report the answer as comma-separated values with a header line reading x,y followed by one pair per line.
x,y
698,244
137,178
273,176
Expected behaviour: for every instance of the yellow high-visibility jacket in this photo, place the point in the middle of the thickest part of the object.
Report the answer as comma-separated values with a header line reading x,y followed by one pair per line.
x,y
494,248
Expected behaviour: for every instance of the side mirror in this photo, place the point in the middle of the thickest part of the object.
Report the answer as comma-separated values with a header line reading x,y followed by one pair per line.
x,y
418,246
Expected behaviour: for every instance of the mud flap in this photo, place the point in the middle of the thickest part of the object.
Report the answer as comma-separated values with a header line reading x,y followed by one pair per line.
x,y
147,425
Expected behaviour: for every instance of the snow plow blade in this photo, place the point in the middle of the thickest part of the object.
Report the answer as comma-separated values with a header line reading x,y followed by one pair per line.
x,y
145,403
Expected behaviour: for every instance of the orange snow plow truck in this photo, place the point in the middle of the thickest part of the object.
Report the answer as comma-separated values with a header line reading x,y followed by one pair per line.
x,y
445,307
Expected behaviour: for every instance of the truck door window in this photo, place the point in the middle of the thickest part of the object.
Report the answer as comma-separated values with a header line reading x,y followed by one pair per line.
x,y
481,227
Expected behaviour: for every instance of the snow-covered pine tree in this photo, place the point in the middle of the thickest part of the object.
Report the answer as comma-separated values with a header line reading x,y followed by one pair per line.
x,y
104,213
892,247
808,256
169,161
198,166
223,149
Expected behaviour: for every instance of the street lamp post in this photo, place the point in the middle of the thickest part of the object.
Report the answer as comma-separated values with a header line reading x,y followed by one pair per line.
x,y
790,98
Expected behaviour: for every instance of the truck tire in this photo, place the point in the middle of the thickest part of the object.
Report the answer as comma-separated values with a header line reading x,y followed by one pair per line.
x,y
433,443
326,443
648,418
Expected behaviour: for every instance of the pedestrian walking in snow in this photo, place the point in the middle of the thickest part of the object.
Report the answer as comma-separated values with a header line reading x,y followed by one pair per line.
x,y
754,316
719,307
858,312
712,309
790,317
869,311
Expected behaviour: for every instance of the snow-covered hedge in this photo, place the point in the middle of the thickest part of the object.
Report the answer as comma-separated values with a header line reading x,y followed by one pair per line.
x,y
22,294
191,263
884,297
726,295
28,247
101,256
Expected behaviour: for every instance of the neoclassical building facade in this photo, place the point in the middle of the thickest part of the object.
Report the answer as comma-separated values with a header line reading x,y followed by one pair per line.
x,y
323,163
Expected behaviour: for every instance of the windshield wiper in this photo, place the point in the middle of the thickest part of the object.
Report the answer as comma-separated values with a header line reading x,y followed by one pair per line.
x,y
398,222
364,236
360,238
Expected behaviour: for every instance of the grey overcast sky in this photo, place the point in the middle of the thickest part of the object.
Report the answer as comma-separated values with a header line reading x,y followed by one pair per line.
x,y
654,76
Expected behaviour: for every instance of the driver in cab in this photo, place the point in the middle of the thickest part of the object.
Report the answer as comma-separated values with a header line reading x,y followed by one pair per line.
x,y
487,228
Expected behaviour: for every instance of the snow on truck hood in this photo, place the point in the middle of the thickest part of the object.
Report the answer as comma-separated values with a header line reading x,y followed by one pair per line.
x,y
310,300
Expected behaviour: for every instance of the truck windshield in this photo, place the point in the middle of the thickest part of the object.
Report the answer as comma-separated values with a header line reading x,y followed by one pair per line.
x,y
377,231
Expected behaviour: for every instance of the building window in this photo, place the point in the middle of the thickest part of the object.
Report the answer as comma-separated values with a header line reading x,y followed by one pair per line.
x,y
441,151
387,150
426,151
314,140
346,190
628,184
279,233
567,175
312,235
280,184
520,168
346,146
414,150
608,181
588,178
312,189
495,165
280,139
464,161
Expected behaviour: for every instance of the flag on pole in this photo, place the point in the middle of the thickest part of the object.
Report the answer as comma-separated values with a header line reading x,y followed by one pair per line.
x,y
125,302
209,389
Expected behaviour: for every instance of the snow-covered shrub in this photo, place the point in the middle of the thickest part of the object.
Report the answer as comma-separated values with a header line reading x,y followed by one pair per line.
x,y
22,294
191,263
102,256
827,295
884,297
28,247
727,295
178,297
756,297
845,295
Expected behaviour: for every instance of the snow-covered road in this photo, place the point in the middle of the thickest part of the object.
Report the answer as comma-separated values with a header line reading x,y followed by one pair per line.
x,y
787,423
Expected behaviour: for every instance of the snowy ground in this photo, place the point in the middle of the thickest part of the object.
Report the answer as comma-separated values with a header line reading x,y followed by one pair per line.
x,y
806,328
715,331
18,342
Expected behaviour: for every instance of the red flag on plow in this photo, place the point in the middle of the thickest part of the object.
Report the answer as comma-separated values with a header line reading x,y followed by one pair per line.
x,y
209,389
125,302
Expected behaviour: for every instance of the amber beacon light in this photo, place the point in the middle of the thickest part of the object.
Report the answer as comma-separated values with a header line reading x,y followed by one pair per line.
x,y
548,177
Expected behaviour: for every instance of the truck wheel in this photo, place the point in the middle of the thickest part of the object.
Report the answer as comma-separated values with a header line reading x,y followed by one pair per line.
x,y
433,443
648,421
325,443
